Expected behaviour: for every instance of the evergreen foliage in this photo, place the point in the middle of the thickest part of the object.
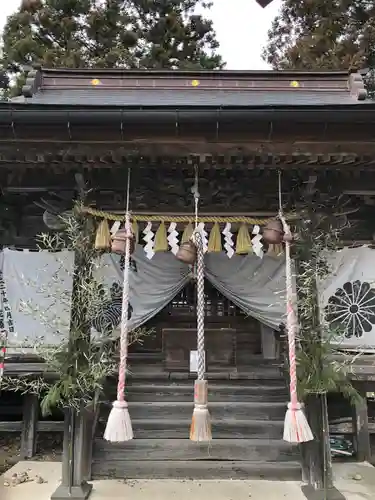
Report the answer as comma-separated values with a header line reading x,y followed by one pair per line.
x,y
108,34
319,369
174,36
322,35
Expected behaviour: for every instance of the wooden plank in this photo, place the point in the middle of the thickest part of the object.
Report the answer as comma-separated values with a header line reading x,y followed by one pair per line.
x,y
219,411
347,428
42,426
50,426
186,396
214,388
183,449
219,392
205,469
24,368
11,426
29,425
224,429
361,430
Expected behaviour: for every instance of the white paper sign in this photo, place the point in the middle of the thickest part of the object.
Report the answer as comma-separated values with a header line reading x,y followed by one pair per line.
x,y
194,361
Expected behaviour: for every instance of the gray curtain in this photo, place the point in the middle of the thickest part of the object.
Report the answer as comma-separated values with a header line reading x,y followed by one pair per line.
x,y
257,286
153,283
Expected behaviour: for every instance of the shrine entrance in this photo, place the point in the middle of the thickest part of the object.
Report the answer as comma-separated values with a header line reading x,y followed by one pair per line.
x,y
233,340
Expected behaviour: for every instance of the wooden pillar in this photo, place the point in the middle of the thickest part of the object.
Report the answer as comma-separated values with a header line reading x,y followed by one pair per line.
x,y
269,345
30,415
316,454
361,428
90,428
74,484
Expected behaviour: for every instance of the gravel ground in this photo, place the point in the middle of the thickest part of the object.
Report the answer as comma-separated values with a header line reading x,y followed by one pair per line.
x,y
49,448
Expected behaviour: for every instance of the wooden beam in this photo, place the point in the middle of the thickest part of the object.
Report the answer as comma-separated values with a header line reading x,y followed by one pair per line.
x,y
359,192
310,184
361,429
29,425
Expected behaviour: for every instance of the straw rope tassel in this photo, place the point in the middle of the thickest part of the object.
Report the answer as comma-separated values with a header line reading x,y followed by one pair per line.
x,y
119,427
296,427
200,429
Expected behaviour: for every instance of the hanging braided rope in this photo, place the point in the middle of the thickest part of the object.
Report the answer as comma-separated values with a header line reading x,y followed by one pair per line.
x,y
200,305
200,429
296,427
119,427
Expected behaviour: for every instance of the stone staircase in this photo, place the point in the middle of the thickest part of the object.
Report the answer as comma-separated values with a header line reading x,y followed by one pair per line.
x,y
247,409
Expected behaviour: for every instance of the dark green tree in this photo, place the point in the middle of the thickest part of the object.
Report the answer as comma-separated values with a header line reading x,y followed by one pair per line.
x,y
322,34
174,36
108,34
70,33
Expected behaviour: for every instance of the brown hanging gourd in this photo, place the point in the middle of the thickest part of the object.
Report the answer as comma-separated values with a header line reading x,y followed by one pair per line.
x,y
119,242
187,253
274,234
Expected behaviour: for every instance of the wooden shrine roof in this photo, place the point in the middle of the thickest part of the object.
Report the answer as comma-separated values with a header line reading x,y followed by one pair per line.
x,y
198,89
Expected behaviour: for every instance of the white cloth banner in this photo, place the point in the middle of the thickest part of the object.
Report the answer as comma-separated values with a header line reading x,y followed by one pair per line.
x,y
348,297
39,287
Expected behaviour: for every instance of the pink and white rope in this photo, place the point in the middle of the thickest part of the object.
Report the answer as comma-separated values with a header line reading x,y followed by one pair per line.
x,y
124,315
291,321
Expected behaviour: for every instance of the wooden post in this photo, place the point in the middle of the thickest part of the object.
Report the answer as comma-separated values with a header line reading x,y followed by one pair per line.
x,y
361,428
74,468
30,417
74,485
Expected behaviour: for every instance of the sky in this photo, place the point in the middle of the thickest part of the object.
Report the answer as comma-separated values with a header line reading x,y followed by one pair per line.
x,y
241,27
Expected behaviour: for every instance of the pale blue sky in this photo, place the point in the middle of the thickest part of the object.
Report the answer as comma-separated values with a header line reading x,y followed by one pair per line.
x,y
241,26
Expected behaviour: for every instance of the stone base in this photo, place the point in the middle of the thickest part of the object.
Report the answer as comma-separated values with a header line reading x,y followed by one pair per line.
x,y
74,493
329,494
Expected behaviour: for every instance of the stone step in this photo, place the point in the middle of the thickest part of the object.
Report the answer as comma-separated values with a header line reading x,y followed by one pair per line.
x,y
218,411
257,450
221,429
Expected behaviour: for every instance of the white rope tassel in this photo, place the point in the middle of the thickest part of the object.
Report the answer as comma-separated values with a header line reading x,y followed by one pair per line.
x,y
200,429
